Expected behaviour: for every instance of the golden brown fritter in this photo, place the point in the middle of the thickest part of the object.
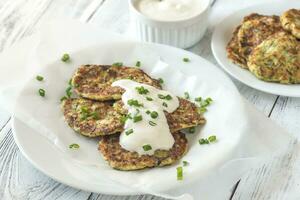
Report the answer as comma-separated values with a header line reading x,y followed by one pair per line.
x,y
233,51
185,116
255,30
277,59
233,47
94,81
290,21
119,158
91,118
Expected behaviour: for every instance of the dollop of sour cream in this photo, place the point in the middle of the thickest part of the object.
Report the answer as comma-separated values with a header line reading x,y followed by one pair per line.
x,y
170,10
151,132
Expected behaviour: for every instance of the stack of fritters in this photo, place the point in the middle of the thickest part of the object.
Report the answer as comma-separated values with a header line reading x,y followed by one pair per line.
x,y
98,111
268,46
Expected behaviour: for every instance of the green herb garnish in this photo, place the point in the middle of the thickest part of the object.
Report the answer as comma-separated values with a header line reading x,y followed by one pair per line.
x,y
95,115
63,98
69,91
167,97
165,104
42,92
149,98
128,132
74,146
192,130
117,64
203,141
161,81
179,173
142,90
212,138
137,118
147,147
185,163
148,112
39,78
154,114
65,57
151,123
186,95
198,99
138,63
186,60
133,102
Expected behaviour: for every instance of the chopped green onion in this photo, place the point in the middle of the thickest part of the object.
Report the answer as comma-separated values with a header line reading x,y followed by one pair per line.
x,y
42,92
142,90
117,64
186,95
185,163
124,118
138,63
151,123
154,114
137,118
74,146
198,99
179,173
192,130
167,97
95,115
165,104
212,138
70,82
202,110
133,102
69,92
65,57
161,81
147,147
186,60
39,78
149,98
63,98
148,112
128,132
203,141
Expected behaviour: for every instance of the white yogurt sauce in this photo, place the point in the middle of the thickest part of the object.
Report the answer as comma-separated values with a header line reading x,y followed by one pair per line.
x,y
170,10
157,135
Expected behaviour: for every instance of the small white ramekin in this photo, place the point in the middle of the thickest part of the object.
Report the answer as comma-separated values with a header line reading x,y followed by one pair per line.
x,y
182,33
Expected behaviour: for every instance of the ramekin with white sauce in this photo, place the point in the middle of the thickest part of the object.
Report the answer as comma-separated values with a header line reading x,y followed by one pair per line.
x,y
180,23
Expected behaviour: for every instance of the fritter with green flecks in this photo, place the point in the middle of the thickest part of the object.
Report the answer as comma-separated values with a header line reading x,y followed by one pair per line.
x,y
119,158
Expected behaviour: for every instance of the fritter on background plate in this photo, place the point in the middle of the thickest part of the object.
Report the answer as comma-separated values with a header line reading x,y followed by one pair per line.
x,y
255,30
290,21
277,59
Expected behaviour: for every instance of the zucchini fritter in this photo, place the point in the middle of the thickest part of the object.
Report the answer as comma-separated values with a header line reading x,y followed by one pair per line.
x,y
255,30
94,81
185,116
91,118
121,159
290,21
277,59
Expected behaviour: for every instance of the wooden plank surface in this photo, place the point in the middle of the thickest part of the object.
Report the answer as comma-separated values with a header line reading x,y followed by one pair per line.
x,y
19,180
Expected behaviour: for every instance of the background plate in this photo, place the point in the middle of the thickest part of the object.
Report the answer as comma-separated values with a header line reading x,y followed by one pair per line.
x,y
222,34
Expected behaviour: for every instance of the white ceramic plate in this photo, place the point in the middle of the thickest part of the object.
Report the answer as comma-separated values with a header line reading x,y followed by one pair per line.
x,y
223,33
45,156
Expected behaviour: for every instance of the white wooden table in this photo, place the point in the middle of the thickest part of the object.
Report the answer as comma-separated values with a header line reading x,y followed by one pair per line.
x,y
20,180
